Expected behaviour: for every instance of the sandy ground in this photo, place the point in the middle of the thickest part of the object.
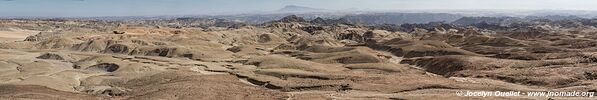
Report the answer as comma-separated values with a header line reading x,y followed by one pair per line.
x,y
7,36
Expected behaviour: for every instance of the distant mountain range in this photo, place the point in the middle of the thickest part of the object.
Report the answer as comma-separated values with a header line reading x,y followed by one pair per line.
x,y
463,17
401,18
409,16
298,9
506,21
362,18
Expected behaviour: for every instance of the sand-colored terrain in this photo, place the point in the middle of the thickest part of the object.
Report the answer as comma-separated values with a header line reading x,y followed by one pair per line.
x,y
288,59
9,36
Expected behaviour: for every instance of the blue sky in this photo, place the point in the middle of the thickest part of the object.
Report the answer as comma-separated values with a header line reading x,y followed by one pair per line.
x,y
192,7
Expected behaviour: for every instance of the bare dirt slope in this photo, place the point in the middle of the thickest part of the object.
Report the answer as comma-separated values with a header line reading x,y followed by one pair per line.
x,y
9,36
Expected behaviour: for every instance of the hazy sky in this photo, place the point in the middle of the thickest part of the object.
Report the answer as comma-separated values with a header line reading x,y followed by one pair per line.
x,y
187,7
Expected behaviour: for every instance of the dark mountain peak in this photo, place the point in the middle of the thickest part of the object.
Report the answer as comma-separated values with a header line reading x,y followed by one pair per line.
x,y
292,18
318,20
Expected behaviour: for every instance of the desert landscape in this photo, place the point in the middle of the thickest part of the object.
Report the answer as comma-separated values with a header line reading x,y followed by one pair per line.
x,y
292,58
296,56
